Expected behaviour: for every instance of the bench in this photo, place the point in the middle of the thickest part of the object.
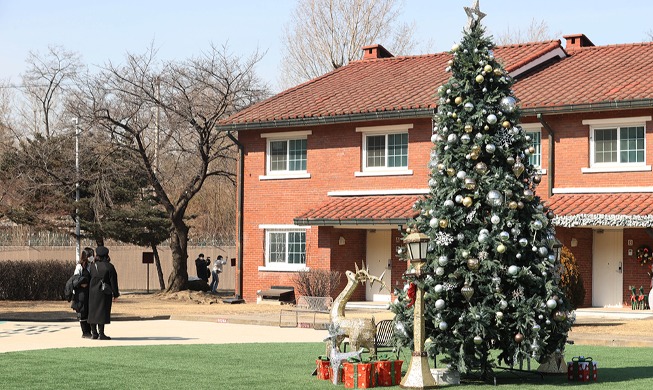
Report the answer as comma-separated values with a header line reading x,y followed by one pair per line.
x,y
306,304
284,294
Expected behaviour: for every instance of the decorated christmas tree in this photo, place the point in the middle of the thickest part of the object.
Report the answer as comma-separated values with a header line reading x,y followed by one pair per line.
x,y
491,279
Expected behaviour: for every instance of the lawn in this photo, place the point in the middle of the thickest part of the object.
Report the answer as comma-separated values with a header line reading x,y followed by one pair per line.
x,y
258,366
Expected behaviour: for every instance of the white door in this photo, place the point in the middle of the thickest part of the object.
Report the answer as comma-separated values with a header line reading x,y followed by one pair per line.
x,y
607,268
378,261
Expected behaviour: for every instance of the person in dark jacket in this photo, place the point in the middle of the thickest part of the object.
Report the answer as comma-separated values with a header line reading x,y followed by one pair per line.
x,y
202,267
103,273
81,291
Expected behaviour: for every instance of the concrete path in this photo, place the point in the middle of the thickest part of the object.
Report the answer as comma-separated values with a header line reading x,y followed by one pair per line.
x,y
21,335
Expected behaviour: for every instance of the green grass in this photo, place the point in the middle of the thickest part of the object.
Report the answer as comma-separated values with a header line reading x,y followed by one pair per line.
x,y
258,366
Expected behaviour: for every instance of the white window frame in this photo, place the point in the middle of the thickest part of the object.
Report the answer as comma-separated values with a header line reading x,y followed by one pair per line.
x,y
618,123
383,131
535,128
284,174
282,266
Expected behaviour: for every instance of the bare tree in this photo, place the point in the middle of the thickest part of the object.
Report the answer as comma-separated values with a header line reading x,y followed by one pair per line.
x,y
324,35
649,35
44,83
192,96
538,30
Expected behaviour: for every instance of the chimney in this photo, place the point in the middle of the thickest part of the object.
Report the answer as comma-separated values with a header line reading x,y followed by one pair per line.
x,y
375,51
576,41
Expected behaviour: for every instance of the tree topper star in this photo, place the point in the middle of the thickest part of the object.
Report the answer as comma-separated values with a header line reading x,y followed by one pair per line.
x,y
470,15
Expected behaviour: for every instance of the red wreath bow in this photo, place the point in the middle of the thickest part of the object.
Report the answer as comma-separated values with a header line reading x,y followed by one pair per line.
x,y
411,293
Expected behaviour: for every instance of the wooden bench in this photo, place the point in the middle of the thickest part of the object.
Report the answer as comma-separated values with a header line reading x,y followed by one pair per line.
x,y
305,304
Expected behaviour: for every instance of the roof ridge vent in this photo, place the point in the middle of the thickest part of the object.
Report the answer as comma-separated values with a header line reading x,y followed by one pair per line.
x,y
576,41
375,51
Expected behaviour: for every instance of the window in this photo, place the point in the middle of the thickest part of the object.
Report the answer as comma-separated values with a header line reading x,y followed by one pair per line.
x,y
617,144
536,139
286,155
285,248
385,150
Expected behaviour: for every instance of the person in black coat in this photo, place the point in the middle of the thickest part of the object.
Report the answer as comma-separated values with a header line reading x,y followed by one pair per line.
x,y
81,291
103,273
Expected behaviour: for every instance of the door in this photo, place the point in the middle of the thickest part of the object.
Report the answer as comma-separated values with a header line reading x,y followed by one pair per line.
x,y
378,260
607,268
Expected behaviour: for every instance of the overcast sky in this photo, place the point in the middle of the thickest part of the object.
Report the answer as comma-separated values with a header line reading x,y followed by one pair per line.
x,y
105,30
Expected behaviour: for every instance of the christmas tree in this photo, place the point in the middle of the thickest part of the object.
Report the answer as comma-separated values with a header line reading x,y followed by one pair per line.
x,y
491,279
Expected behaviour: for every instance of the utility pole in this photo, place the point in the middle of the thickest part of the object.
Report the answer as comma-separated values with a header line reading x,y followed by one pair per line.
x,y
77,227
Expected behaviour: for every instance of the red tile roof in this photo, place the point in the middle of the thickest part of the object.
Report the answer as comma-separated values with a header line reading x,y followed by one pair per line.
x,y
631,209
373,86
591,75
361,210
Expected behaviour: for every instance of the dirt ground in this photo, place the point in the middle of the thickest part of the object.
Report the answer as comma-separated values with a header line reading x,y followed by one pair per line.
x,y
193,302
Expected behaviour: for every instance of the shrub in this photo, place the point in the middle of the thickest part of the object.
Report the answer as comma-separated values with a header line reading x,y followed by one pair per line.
x,y
316,282
34,280
571,280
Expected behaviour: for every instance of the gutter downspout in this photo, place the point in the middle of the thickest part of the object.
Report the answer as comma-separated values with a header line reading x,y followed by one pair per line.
x,y
240,202
548,128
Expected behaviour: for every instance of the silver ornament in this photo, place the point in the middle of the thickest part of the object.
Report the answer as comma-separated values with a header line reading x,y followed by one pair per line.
x,y
491,119
495,219
478,340
551,304
434,138
439,271
508,104
438,288
448,202
542,251
503,304
468,106
504,236
443,260
465,139
494,198
523,242
439,304
452,138
513,270
490,148
443,326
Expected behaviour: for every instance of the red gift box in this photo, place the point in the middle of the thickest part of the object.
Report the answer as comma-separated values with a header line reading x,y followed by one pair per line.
x,y
358,375
387,372
323,368
582,369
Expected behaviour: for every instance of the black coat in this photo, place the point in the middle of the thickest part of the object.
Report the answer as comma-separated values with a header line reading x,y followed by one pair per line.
x,y
81,297
100,303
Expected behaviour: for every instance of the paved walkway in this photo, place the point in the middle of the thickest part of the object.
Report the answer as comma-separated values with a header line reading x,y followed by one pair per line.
x,y
30,335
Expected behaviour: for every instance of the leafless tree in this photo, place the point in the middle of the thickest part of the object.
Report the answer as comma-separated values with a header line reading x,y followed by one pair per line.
x,y
324,35
649,35
538,30
45,81
191,96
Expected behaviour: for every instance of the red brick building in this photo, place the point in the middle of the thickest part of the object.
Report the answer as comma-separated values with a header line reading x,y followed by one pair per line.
x,y
332,167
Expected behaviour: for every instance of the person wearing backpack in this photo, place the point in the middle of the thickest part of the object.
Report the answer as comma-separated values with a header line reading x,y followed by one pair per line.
x,y
81,291
103,289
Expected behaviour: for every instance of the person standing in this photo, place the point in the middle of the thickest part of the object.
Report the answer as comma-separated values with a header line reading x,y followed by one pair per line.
x,y
103,289
81,292
201,267
215,273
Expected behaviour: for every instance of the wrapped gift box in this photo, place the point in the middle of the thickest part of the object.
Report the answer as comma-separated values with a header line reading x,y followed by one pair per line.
x,y
387,372
358,375
582,369
445,376
323,368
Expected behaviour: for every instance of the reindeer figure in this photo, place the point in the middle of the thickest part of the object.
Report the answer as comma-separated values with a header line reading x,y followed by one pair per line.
x,y
361,331
335,356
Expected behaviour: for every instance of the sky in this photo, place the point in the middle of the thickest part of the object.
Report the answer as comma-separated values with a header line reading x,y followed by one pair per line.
x,y
102,31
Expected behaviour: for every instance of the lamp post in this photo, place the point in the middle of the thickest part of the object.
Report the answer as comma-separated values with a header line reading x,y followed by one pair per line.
x,y
77,228
419,374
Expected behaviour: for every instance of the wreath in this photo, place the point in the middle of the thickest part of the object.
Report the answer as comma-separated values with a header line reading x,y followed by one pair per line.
x,y
644,255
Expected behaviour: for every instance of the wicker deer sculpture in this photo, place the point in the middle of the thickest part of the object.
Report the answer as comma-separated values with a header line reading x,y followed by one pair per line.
x,y
361,331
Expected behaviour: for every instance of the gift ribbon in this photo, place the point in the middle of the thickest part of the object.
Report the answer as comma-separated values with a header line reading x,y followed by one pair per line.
x,y
576,365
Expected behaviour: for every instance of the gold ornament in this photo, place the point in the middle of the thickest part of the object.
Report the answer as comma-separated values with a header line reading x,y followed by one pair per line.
x,y
454,115
501,248
488,68
440,167
480,78
497,72
467,201
518,169
468,128
531,149
486,127
444,223
505,124
467,292
458,100
455,47
512,205
519,338
451,171
474,155
472,264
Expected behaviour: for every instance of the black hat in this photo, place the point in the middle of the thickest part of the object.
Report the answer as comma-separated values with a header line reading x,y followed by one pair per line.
x,y
102,251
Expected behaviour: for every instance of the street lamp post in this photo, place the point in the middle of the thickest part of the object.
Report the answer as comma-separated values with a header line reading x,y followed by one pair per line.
x,y
419,374
77,227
